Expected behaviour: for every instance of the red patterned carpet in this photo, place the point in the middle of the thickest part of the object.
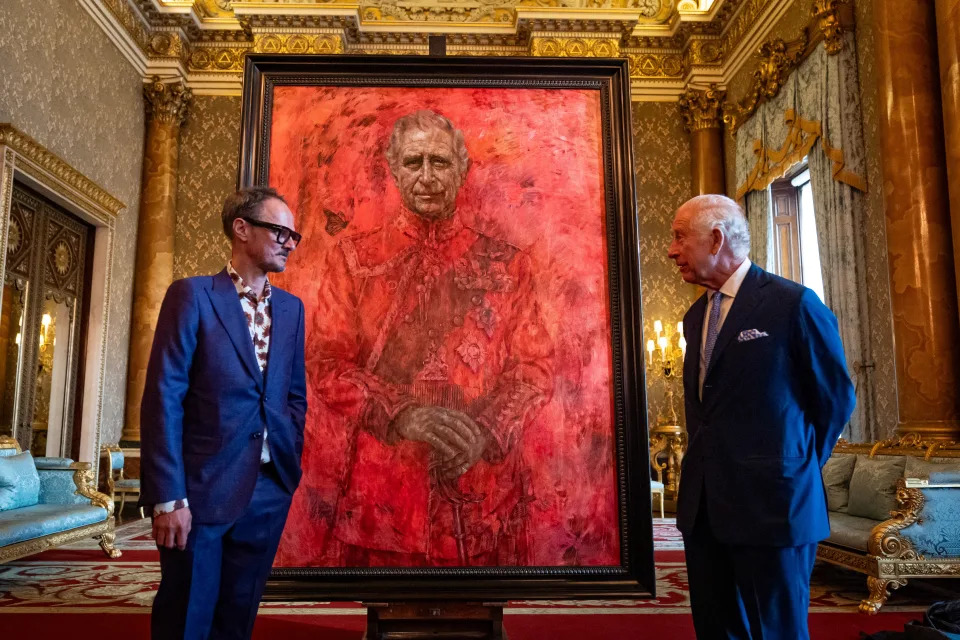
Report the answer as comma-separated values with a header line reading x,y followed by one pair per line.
x,y
55,593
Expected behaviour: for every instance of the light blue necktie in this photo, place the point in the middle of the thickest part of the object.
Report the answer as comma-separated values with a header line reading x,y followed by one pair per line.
x,y
713,328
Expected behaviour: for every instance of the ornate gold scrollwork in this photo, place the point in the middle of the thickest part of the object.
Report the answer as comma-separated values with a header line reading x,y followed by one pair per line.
x,y
702,108
885,540
777,59
906,444
83,478
826,16
167,102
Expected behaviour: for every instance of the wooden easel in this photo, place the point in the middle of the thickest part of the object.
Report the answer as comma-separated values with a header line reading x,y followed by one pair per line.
x,y
435,620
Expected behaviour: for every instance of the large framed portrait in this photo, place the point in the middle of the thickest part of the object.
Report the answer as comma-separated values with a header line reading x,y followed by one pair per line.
x,y
469,271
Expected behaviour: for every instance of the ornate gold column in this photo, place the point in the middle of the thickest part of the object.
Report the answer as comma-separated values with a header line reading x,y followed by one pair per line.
x,y
166,106
703,118
948,39
922,281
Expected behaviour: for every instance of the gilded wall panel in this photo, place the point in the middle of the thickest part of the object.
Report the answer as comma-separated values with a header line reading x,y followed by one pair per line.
x,y
88,110
209,144
662,160
878,281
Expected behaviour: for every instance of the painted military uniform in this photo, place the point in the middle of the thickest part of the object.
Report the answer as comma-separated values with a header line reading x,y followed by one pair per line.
x,y
435,314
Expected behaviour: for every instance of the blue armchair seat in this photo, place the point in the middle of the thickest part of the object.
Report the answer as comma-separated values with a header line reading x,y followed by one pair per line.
x,y
127,483
27,523
45,502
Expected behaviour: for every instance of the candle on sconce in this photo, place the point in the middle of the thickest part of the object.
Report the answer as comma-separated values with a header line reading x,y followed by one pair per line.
x,y
650,349
683,345
680,327
663,346
658,327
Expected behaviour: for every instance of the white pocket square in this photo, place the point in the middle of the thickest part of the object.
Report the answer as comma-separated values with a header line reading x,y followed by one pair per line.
x,y
751,334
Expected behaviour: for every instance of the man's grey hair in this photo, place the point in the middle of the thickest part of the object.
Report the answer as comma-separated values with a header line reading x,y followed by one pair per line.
x,y
720,212
425,120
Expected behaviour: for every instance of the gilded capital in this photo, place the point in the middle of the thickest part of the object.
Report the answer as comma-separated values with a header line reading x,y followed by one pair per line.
x,y
167,102
826,18
701,108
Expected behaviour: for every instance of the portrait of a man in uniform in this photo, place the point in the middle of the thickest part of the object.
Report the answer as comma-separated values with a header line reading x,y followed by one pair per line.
x,y
449,360
460,402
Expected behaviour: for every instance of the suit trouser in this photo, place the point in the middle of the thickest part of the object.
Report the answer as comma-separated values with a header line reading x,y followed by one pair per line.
x,y
747,592
212,589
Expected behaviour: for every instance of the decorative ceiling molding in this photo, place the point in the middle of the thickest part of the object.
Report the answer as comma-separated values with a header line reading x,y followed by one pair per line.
x,y
670,43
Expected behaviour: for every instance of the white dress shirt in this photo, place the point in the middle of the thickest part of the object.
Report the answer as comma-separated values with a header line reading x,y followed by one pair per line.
x,y
729,291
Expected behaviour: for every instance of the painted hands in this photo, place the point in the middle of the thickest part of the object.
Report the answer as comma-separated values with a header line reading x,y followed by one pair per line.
x,y
457,441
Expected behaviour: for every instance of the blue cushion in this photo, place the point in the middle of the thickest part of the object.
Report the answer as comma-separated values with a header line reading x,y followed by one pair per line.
x,y
43,519
53,463
7,451
19,482
116,460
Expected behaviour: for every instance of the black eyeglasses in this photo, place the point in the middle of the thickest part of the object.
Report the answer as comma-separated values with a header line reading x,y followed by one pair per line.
x,y
283,233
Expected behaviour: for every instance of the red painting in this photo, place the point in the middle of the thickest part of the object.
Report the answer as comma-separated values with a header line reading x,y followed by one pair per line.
x,y
454,270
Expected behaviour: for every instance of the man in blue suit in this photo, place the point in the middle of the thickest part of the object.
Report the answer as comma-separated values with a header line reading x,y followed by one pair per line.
x,y
767,393
222,426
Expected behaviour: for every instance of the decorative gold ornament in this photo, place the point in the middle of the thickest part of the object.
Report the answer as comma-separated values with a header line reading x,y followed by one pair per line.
x,y
62,258
38,156
702,108
656,65
575,47
705,52
296,44
14,235
826,17
777,59
167,102
745,19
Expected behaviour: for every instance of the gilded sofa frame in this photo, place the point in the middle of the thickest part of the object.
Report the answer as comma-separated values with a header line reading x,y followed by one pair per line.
x,y
84,481
891,558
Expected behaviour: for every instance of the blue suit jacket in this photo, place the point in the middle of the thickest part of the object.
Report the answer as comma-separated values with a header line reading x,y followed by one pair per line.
x,y
772,410
206,403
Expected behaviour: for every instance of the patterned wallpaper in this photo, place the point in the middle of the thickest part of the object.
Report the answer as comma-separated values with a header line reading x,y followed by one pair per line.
x,y
878,279
88,110
208,165
209,143
662,153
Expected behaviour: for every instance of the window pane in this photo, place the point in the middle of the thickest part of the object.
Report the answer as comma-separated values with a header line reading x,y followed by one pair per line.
x,y
809,249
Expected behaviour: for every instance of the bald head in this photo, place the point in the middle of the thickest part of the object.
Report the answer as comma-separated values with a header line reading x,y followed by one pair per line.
x,y
710,240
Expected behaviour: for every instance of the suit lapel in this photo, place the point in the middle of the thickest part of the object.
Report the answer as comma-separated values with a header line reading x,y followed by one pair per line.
x,y
279,328
226,303
743,305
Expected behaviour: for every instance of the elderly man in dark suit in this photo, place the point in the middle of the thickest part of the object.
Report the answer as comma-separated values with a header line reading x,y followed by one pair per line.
x,y
222,426
767,395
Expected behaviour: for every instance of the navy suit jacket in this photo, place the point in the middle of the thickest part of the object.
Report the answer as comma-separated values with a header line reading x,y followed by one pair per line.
x,y
772,410
206,403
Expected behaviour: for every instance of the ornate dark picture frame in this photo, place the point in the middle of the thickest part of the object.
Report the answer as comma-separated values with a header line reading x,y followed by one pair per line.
x,y
633,575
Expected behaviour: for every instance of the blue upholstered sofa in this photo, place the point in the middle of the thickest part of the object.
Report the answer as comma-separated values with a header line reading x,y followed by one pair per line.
x,y
894,510
45,502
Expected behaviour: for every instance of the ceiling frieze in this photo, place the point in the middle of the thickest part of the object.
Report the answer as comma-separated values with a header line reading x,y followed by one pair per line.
x,y
670,43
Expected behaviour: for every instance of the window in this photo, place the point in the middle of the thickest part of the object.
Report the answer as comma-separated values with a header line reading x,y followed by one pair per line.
x,y
796,251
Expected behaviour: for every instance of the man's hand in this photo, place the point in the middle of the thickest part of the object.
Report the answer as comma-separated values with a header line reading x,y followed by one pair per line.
x,y
171,529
